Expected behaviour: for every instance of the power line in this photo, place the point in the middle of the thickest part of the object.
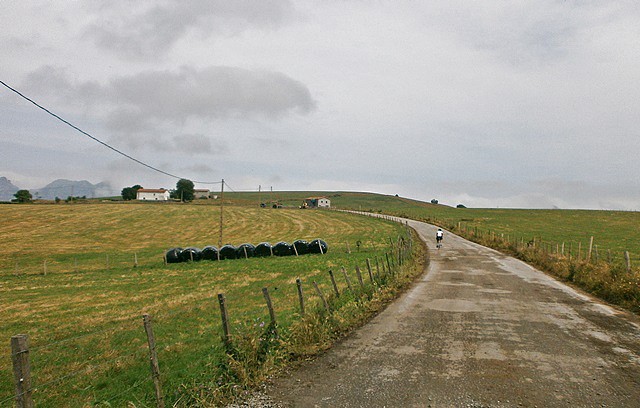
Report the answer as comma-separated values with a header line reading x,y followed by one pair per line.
x,y
229,187
98,140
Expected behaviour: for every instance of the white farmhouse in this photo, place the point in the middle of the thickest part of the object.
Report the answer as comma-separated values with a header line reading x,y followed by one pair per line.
x,y
152,194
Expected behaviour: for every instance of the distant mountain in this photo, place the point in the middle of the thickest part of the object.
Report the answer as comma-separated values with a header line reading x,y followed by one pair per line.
x,y
64,188
7,189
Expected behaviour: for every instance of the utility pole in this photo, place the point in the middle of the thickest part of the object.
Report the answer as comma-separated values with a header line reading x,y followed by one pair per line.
x,y
221,213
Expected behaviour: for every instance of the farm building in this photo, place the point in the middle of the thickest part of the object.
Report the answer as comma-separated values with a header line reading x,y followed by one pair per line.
x,y
316,202
151,194
201,193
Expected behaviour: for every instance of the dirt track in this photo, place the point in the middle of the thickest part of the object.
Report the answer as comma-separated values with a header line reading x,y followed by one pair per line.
x,y
479,329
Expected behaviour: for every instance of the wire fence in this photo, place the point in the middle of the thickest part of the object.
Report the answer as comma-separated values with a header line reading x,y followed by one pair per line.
x,y
74,363
588,250
67,264
110,365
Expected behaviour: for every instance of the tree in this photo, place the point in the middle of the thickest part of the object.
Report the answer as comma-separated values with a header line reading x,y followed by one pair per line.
x,y
23,196
130,193
434,201
461,206
184,190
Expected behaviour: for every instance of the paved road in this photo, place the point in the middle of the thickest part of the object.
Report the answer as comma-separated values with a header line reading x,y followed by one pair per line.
x,y
479,329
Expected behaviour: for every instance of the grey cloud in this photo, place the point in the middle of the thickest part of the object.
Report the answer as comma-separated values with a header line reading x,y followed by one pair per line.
x,y
524,33
198,144
152,32
55,83
213,92
127,120
139,108
200,172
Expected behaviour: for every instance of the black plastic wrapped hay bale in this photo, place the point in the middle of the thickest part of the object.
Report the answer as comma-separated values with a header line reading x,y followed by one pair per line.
x,y
228,252
302,246
283,249
210,253
318,246
245,251
190,254
173,255
263,249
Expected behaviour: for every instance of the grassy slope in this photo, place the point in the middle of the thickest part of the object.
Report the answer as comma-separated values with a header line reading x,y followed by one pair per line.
x,y
614,230
109,302
87,323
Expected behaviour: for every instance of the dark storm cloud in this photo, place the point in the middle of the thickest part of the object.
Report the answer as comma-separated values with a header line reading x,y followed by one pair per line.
x,y
151,32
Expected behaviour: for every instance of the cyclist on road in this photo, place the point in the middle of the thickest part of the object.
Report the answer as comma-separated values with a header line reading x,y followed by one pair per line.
x,y
439,235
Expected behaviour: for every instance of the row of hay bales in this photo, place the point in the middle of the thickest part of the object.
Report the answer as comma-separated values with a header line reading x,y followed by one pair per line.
x,y
263,249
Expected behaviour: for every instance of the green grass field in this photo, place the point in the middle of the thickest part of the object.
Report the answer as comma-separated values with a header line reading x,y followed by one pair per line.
x,y
84,320
83,317
614,230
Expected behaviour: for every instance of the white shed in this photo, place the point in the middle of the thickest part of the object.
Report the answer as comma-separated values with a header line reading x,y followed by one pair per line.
x,y
317,202
201,193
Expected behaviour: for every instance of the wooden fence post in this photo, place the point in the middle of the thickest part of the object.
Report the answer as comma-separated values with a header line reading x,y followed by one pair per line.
x,y
300,296
226,335
579,250
590,249
21,370
333,282
370,270
319,292
346,278
627,259
135,259
359,276
44,267
153,357
272,314
388,263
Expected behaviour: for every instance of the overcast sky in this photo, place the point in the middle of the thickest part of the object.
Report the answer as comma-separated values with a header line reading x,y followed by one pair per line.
x,y
489,103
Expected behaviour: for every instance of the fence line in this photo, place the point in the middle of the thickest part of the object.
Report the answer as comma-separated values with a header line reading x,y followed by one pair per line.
x,y
81,336
568,248
67,264
28,388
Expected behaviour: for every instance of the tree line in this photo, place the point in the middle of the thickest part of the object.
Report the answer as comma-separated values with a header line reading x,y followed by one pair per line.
x,y
184,191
